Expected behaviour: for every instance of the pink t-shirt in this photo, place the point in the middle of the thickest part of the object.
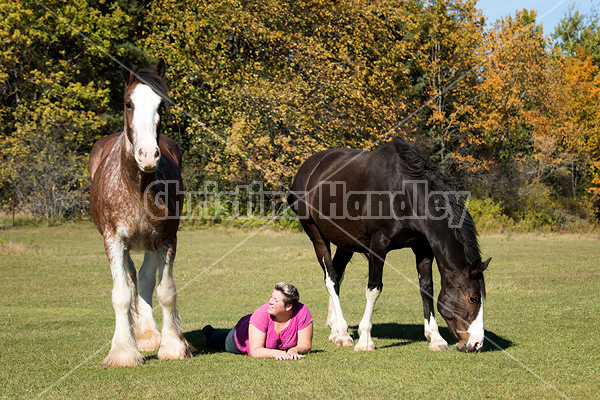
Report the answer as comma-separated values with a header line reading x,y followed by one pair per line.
x,y
264,322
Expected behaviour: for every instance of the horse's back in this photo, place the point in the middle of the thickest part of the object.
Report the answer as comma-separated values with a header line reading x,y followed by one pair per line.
x,y
325,164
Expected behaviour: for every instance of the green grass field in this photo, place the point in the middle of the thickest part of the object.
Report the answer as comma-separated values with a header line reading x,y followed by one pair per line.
x,y
56,321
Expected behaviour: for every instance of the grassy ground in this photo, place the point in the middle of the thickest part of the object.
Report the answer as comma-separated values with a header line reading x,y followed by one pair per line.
x,y
56,321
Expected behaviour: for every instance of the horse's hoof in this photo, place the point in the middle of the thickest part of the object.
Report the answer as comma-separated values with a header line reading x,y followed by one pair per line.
x,y
439,347
342,340
177,351
123,358
361,347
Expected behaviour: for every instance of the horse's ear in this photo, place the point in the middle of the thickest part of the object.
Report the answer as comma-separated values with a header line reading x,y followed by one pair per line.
x,y
485,264
160,68
479,267
128,73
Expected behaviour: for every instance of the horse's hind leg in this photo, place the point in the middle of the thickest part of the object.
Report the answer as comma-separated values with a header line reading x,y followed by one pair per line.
x,y
146,332
424,257
173,345
339,328
123,352
339,263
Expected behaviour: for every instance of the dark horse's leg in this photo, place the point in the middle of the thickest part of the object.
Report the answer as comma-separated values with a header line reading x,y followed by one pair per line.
x,y
377,253
424,257
339,327
339,263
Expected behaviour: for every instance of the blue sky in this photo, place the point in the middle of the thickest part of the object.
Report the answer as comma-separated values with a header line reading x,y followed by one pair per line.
x,y
550,11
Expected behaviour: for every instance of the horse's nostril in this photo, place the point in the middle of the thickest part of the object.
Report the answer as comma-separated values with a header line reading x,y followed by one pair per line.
x,y
156,154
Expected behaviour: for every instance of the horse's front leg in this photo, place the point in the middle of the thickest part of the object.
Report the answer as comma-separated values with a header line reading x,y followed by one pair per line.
x,y
173,345
424,262
377,253
146,332
123,352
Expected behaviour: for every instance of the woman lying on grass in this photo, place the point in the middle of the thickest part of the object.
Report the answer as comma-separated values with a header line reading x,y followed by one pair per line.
x,y
281,328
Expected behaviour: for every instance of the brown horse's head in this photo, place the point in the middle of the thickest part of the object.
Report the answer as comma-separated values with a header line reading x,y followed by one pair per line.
x,y
461,304
145,91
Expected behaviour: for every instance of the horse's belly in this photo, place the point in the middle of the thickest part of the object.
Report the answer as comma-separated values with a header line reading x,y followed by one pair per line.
x,y
347,234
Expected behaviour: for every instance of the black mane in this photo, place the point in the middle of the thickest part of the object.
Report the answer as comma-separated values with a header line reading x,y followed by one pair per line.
x,y
415,165
149,77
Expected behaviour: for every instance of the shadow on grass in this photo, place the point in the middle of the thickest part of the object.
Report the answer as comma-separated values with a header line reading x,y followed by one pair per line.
x,y
410,333
405,334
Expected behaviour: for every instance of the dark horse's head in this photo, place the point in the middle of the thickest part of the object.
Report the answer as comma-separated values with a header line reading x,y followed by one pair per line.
x,y
460,302
451,233
462,292
145,91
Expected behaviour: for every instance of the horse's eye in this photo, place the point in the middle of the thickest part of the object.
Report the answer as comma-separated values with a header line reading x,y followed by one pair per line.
x,y
128,105
474,299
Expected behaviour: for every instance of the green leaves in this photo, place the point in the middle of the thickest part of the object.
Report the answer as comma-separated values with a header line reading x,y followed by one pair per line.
x,y
260,86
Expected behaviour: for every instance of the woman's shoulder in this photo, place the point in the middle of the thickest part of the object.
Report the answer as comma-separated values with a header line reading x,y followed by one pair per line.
x,y
261,317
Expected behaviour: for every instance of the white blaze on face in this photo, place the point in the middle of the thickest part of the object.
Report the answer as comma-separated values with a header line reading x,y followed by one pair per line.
x,y
476,332
145,120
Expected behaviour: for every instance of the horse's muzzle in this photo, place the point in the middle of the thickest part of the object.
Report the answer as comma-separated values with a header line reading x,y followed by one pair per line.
x,y
148,160
466,348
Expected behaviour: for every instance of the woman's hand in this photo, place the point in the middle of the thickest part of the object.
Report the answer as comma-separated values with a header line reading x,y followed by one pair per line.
x,y
291,354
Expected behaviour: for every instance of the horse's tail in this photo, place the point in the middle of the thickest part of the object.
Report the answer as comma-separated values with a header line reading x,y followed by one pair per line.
x,y
292,200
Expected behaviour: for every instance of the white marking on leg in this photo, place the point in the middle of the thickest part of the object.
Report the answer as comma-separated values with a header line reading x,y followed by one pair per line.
x,y
476,331
173,345
432,334
330,313
365,342
339,327
331,309
123,352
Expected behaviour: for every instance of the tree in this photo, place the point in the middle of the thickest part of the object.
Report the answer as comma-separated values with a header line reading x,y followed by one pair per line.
x,y
58,89
579,35
269,83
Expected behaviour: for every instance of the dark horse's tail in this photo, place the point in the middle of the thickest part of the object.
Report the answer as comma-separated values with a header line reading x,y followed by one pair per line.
x,y
292,200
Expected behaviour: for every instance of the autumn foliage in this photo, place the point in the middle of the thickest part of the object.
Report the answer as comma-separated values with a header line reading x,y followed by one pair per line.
x,y
509,112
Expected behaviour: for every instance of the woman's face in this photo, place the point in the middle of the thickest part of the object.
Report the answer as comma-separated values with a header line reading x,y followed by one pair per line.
x,y
276,304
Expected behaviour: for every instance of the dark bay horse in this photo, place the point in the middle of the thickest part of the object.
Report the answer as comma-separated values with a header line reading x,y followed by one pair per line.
x,y
136,199
386,199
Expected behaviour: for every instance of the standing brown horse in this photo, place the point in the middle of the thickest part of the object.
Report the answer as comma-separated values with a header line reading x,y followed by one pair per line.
x,y
136,200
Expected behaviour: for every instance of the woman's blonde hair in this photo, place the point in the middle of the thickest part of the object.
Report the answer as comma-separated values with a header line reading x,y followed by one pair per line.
x,y
290,293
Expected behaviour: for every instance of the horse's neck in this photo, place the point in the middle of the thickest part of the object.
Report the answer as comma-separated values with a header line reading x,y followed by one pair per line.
x,y
449,252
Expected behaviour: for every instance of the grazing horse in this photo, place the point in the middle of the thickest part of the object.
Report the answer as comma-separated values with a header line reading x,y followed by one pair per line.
x,y
386,199
136,199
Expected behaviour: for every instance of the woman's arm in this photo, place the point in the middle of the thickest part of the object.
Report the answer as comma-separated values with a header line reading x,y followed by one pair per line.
x,y
304,343
256,345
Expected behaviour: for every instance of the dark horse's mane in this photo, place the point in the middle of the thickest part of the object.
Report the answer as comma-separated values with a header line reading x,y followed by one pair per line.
x,y
417,166
149,77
